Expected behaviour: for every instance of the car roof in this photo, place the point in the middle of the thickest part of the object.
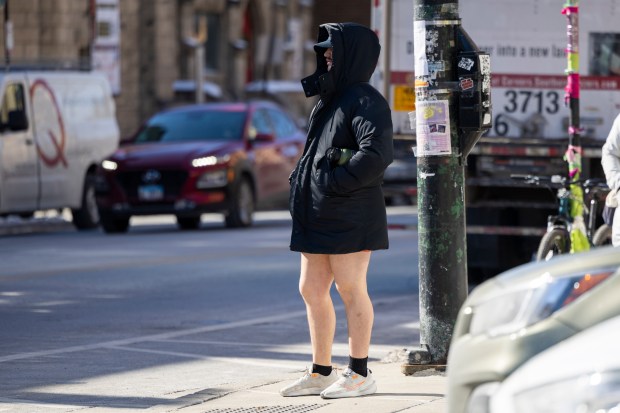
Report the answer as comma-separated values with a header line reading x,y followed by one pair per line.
x,y
222,106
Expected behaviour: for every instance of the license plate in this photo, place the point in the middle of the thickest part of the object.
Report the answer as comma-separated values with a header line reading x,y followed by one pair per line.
x,y
150,192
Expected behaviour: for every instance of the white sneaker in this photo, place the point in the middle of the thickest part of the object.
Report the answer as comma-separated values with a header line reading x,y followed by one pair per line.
x,y
310,383
351,384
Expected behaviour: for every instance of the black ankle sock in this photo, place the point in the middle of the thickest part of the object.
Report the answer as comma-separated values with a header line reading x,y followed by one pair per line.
x,y
360,366
322,370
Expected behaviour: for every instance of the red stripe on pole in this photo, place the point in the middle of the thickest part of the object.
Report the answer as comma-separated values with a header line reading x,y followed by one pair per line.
x,y
572,85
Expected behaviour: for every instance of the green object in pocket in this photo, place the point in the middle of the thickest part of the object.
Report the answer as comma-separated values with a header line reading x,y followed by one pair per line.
x,y
339,156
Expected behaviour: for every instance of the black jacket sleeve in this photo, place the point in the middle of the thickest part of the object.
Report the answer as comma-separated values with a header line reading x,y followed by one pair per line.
x,y
371,125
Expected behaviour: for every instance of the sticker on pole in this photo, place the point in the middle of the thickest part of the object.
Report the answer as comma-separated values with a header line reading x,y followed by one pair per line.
x,y
433,128
404,98
419,49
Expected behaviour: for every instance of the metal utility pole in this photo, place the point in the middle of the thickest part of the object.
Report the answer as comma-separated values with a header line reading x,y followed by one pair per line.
x,y
197,41
579,240
452,86
571,10
8,33
386,23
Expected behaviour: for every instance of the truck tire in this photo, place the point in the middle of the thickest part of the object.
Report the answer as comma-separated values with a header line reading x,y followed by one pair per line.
x,y
112,225
188,223
242,205
554,242
87,216
602,236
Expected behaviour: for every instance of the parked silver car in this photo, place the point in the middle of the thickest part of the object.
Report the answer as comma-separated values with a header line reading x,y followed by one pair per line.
x,y
516,315
580,374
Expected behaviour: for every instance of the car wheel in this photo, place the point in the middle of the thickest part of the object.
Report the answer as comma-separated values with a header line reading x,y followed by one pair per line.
x,y
187,223
241,211
87,216
114,225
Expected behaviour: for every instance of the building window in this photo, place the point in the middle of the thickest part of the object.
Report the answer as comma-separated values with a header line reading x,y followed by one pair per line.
x,y
604,55
13,115
212,47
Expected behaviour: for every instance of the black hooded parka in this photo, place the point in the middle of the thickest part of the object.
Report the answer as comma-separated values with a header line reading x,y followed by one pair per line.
x,y
341,209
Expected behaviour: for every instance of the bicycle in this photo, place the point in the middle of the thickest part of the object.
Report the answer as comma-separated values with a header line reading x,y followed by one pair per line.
x,y
557,239
602,236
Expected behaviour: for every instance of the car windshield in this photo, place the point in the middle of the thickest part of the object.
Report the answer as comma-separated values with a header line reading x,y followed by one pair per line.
x,y
193,126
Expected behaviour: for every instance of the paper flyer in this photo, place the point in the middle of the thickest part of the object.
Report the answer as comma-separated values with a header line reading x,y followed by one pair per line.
x,y
433,128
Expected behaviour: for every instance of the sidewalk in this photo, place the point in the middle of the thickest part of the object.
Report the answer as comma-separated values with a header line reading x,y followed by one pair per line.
x,y
423,392
176,375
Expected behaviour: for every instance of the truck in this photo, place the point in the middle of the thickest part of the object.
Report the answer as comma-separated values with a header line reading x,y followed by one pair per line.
x,y
526,41
55,129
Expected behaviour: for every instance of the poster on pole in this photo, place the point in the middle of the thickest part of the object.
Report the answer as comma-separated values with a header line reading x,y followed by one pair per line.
x,y
106,50
433,128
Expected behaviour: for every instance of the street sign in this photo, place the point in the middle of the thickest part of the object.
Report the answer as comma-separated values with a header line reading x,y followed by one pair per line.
x,y
404,98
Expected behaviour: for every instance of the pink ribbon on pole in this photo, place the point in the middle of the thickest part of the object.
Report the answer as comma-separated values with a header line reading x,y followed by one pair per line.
x,y
572,86
573,157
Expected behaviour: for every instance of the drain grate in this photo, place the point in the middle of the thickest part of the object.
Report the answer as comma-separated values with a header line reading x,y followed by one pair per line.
x,y
300,408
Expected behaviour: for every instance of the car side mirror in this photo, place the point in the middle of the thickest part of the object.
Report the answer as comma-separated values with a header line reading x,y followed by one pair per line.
x,y
17,120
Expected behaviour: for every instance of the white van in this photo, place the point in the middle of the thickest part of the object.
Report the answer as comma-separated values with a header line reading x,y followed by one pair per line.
x,y
55,128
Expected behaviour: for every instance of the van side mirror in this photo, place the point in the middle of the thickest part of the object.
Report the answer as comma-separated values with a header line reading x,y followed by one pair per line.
x,y
17,120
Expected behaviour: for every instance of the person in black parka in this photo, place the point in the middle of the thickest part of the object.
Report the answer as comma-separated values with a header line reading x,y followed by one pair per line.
x,y
337,203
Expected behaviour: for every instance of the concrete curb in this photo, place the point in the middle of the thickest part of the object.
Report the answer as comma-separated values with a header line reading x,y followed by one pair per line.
x,y
34,225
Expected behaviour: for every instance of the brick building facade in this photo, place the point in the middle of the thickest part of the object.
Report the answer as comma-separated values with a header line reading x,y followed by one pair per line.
x,y
330,11
248,41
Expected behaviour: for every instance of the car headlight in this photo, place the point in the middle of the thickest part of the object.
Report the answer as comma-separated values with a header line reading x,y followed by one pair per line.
x,y
212,179
209,161
593,393
512,310
109,165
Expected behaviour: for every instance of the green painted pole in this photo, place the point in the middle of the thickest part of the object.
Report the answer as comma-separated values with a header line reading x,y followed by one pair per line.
x,y
440,178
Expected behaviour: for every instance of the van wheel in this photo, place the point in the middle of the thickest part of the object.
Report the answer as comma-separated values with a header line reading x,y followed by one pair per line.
x,y
187,223
241,211
114,225
87,216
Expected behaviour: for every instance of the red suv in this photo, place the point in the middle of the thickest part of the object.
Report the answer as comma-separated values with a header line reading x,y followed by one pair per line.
x,y
216,157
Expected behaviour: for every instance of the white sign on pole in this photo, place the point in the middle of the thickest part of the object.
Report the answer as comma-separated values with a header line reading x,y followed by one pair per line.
x,y
106,51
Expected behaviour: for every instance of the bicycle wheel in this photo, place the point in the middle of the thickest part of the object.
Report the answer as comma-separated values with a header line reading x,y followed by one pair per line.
x,y
554,242
602,236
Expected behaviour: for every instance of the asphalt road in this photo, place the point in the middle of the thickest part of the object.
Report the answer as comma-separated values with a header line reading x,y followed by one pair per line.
x,y
159,318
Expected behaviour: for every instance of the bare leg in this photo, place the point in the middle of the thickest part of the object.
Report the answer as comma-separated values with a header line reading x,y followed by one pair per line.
x,y
350,275
314,284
